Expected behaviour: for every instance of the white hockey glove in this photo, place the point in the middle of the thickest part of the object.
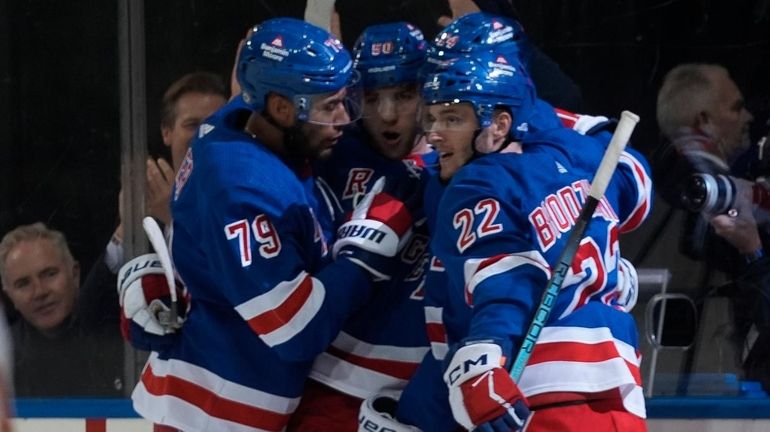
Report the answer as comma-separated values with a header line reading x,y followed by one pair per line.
x,y
380,226
377,413
144,300
628,285
585,124
482,393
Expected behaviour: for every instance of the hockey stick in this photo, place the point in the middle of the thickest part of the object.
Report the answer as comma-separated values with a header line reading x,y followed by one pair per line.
x,y
158,242
626,125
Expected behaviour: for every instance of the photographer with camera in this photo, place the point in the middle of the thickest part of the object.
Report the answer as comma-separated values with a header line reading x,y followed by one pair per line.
x,y
702,116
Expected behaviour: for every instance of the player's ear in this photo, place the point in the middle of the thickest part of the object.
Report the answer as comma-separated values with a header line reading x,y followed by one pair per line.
x,y
502,122
280,109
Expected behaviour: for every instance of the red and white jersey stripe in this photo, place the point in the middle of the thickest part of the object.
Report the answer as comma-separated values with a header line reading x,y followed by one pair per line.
x,y
362,369
284,311
477,270
581,359
437,336
208,401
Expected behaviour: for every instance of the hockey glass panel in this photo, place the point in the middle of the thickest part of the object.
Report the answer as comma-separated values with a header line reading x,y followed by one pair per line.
x,y
671,321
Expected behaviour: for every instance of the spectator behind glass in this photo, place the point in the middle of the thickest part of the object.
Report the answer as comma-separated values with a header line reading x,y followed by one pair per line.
x,y
702,116
64,344
186,102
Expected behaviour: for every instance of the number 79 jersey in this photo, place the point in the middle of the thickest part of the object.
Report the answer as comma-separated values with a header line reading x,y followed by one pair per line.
x,y
503,221
250,243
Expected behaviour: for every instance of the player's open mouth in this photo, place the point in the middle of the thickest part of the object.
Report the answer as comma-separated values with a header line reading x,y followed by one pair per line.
x,y
391,137
445,155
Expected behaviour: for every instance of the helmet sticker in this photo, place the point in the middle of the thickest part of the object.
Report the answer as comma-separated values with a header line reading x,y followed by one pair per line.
x,y
334,44
501,33
275,50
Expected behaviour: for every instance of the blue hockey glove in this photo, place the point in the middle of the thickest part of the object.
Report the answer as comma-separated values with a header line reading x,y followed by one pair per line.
x,y
378,229
144,301
482,394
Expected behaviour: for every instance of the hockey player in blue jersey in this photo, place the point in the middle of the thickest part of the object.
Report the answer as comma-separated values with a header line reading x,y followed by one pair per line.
x,y
501,224
382,344
251,233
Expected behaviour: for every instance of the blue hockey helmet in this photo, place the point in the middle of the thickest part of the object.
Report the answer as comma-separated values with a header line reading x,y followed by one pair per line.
x,y
476,32
389,54
295,59
487,81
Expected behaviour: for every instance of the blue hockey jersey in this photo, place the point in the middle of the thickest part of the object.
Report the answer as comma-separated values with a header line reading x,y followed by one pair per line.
x,y
250,242
500,225
382,344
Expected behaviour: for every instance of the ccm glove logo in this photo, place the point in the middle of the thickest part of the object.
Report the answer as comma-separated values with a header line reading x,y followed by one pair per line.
x,y
480,363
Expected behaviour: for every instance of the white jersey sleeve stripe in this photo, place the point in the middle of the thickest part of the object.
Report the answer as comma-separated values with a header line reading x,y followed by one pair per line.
x,y
285,310
643,201
477,270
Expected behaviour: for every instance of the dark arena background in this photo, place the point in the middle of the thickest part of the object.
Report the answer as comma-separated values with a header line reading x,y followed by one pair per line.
x,y
59,79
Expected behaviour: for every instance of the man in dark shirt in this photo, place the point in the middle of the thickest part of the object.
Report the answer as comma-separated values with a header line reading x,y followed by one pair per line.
x,y
65,343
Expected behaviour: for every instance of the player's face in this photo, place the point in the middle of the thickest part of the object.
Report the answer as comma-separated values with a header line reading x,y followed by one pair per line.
x,y
390,117
450,128
40,283
730,117
327,117
190,110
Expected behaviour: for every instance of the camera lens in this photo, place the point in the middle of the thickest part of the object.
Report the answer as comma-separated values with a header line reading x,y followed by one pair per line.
x,y
694,194
708,193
